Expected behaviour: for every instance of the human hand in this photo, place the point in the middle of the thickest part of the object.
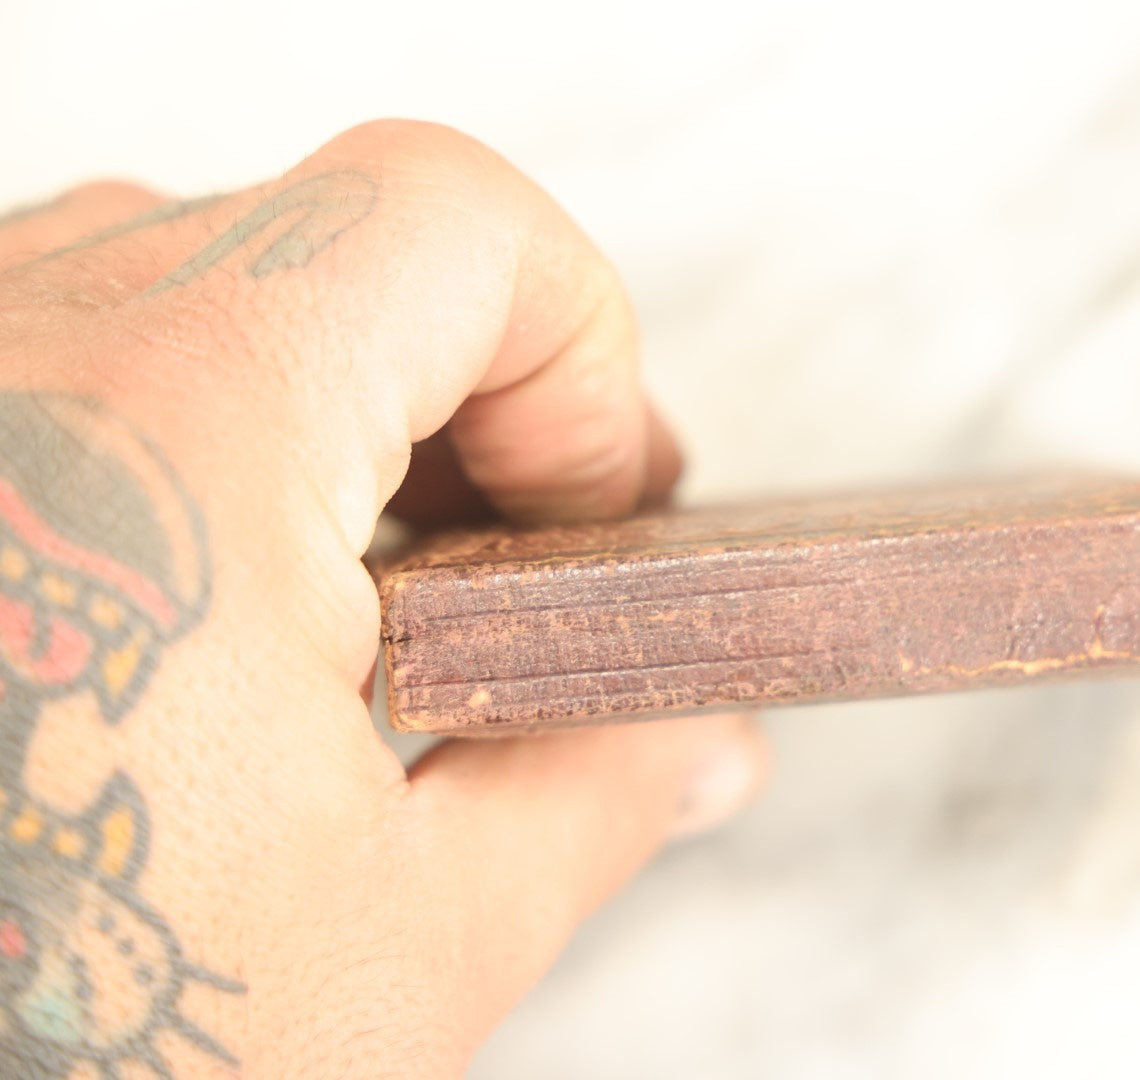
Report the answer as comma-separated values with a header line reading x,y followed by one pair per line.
x,y
209,863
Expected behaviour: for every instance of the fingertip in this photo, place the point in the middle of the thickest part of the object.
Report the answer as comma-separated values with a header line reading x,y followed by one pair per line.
x,y
570,443
726,782
665,464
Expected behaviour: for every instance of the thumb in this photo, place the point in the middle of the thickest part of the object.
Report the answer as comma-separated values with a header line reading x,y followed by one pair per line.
x,y
539,830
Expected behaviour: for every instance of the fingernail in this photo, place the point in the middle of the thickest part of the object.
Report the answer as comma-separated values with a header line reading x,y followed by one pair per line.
x,y
724,786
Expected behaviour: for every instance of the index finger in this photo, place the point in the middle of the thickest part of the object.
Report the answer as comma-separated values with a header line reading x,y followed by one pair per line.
x,y
549,420
462,293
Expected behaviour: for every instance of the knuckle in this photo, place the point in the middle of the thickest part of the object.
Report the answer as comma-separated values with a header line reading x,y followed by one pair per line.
x,y
412,145
125,194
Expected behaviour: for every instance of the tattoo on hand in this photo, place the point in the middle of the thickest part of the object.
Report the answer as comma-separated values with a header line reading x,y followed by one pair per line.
x,y
328,205
103,563
318,208
170,211
89,972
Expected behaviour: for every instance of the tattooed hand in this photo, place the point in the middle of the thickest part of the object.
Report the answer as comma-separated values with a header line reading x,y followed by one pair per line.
x,y
210,865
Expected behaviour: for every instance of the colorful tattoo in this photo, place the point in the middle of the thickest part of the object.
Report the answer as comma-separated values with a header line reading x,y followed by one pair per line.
x,y
103,563
89,972
103,560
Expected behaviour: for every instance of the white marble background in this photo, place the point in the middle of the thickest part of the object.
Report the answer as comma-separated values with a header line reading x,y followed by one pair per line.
x,y
868,241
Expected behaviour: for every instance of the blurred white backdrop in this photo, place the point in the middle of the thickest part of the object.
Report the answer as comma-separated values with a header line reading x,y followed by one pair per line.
x,y
867,241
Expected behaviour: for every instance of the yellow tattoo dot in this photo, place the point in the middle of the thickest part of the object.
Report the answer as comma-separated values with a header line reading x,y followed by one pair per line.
x,y
68,843
57,590
106,612
118,842
27,827
13,563
120,665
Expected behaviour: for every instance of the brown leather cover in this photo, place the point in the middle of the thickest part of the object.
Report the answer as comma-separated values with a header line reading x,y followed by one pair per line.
x,y
795,600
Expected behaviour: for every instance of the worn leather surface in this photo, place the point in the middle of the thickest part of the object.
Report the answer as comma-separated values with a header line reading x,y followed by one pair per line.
x,y
933,588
